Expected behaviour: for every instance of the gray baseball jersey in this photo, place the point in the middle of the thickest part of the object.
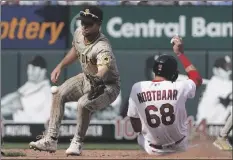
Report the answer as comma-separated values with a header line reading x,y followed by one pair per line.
x,y
76,88
97,53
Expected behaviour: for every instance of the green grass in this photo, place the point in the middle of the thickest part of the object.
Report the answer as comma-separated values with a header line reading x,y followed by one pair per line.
x,y
88,146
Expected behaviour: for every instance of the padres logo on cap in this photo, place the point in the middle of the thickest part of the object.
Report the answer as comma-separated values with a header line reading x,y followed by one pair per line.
x,y
87,11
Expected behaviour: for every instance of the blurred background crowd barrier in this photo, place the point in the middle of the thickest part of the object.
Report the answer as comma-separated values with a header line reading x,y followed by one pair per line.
x,y
35,36
113,2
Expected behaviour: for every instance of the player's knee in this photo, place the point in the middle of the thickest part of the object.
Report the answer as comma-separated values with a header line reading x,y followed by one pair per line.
x,y
60,94
81,104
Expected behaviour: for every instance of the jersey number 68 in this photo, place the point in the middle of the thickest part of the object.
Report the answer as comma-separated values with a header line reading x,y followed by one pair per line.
x,y
167,117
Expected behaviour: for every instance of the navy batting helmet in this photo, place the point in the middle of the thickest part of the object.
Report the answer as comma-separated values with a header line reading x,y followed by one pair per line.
x,y
166,66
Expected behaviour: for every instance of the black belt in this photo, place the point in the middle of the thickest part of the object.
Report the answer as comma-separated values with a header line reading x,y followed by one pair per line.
x,y
166,146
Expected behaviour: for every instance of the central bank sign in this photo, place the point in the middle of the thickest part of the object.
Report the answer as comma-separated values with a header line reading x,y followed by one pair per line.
x,y
150,27
118,28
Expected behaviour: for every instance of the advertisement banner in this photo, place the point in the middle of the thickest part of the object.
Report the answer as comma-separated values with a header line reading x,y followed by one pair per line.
x,y
34,27
101,131
148,27
117,129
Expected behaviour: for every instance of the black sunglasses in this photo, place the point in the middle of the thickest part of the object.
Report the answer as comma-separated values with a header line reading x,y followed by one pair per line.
x,y
83,23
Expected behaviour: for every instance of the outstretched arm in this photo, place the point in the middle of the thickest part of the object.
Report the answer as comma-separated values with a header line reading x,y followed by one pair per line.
x,y
70,57
192,72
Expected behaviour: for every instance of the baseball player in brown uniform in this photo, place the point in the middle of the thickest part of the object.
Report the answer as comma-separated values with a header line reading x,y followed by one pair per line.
x,y
97,87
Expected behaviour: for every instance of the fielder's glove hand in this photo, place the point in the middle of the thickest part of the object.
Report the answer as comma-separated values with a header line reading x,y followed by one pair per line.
x,y
97,87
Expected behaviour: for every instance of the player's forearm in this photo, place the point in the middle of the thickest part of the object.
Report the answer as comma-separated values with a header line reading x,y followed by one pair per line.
x,y
136,124
102,70
192,72
69,58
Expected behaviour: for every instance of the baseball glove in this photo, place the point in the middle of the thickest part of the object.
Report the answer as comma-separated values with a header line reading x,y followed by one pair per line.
x,y
97,87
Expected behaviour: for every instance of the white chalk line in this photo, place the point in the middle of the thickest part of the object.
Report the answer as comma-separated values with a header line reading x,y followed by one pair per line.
x,y
194,145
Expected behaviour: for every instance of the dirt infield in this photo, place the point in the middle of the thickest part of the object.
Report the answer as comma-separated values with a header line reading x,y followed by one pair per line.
x,y
198,150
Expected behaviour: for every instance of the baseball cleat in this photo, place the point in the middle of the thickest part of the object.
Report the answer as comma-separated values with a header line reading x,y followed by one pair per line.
x,y
36,149
75,148
222,144
44,144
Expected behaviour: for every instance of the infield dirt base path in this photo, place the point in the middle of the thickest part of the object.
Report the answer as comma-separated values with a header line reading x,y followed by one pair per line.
x,y
198,150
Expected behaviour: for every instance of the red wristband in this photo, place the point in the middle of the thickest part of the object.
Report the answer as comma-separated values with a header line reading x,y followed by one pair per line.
x,y
193,74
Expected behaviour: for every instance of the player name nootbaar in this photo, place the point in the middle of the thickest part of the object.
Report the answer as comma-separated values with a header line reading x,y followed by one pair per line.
x,y
157,95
